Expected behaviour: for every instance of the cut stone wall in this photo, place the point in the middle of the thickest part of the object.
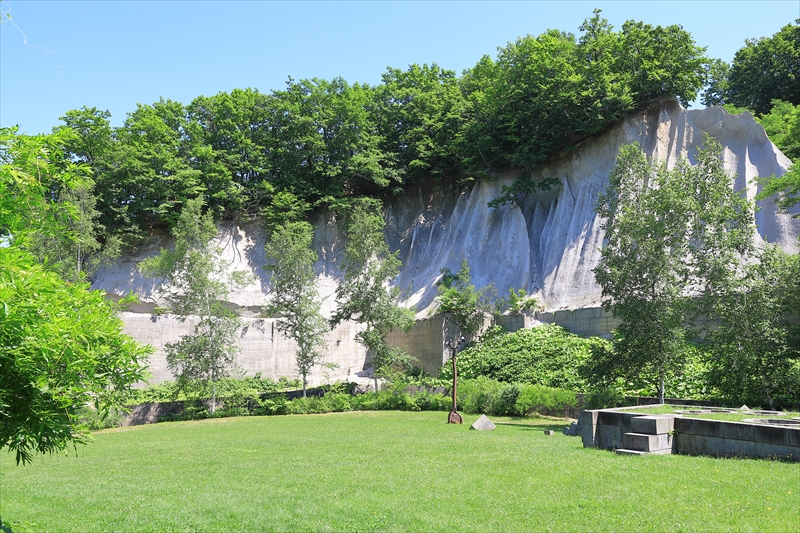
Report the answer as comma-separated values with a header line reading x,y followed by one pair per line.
x,y
263,348
604,428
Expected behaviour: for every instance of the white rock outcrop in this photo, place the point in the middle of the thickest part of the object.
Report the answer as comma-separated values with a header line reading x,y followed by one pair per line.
x,y
548,245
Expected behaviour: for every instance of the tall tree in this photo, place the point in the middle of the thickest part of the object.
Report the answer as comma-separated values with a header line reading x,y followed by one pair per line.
x,y
782,125
767,69
294,298
364,294
465,305
197,285
671,235
61,345
755,346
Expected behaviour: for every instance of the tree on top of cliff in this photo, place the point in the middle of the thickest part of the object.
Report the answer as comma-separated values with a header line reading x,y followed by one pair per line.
x,y
767,69
552,91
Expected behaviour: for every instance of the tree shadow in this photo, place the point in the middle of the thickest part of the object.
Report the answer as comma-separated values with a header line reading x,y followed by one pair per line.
x,y
557,427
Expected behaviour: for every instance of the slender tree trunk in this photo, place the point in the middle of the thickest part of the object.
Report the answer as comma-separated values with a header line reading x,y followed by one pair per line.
x,y
661,385
305,381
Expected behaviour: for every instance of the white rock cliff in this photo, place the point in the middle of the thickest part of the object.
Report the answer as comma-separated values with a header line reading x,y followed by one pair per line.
x,y
547,245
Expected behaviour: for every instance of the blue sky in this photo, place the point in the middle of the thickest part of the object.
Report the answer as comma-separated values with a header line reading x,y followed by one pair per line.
x,y
113,55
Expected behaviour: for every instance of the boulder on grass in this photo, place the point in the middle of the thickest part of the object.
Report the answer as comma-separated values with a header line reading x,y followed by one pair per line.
x,y
483,424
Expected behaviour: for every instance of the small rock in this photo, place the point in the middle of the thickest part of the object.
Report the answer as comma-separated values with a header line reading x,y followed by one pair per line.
x,y
483,424
744,408
549,432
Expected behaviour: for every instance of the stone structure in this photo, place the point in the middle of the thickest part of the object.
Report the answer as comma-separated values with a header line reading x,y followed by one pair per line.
x,y
548,244
635,434
483,424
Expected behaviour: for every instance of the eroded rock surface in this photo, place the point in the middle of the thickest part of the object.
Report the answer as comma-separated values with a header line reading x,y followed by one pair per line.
x,y
548,245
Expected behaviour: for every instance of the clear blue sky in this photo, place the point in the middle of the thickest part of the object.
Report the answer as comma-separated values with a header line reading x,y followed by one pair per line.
x,y
113,55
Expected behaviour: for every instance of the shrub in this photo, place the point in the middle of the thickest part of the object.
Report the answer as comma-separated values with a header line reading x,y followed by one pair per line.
x,y
504,402
476,395
546,355
544,400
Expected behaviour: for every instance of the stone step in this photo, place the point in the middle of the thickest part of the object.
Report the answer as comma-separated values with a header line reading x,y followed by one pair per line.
x,y
653,424
645,442
624,451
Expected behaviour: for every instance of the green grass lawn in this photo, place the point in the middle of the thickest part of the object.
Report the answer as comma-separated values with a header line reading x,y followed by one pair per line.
x,y
385,471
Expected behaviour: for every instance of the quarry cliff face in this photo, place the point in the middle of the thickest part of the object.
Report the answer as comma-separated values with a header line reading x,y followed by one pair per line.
x,y
547,245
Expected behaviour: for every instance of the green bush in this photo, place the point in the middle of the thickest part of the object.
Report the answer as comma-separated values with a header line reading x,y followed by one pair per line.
x,y
537,399
546,355
476,395
504,402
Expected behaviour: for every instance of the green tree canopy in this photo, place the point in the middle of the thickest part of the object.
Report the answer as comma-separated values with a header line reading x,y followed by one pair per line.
x,y
294,297
766,69
671,236
61,345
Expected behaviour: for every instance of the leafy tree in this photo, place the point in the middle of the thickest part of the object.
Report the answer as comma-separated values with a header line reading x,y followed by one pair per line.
x,y
420,113
767,69
57,222
294,298
755,348
716,91
197,286
363,295
93,136
466,306
151,178
61,345
230,141
76,252
670,235
782,125
546,93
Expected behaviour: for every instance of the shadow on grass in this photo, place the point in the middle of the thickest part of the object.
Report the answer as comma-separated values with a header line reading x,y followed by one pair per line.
x,y
16,527
558,428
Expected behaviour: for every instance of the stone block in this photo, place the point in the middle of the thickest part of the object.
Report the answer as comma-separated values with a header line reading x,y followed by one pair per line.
x,y
646,442
738,431
708,428
653,424
609,418
588,423
690,444
682,425
483,424
794,437
772,434
732,448
623,451
611,435
549,432
787,453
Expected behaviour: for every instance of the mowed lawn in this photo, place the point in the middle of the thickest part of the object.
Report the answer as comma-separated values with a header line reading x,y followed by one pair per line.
x,y
385,471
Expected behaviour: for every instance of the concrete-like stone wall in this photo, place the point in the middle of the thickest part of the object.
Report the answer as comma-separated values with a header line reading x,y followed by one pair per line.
x,y
263,348
592,321
426,342
694,436
604,428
